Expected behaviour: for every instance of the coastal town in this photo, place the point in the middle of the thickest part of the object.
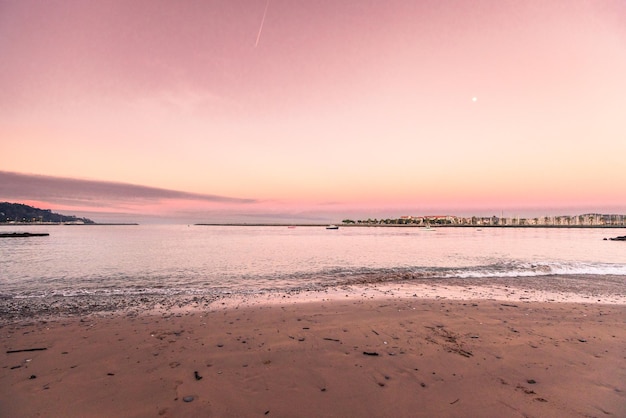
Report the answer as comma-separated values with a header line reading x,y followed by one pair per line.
x,y
586,220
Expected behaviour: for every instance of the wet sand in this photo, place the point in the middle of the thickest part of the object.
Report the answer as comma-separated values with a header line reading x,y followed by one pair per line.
x,y
370,351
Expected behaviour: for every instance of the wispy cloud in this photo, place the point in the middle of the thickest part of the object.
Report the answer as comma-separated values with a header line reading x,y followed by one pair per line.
x,y
95,193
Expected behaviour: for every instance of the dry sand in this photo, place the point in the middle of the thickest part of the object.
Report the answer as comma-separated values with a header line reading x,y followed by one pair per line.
x,y
394,351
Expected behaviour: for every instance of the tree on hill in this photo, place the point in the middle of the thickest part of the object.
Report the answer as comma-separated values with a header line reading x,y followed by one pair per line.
x,y
18,212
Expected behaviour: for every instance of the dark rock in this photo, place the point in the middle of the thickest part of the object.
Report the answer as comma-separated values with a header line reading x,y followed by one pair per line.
x,y
622,238
22,235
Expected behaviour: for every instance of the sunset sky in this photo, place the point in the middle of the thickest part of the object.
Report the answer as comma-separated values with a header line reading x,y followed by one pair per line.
x,y
313,110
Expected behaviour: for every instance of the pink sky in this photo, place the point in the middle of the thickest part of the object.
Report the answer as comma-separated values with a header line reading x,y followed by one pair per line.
x,y
342,108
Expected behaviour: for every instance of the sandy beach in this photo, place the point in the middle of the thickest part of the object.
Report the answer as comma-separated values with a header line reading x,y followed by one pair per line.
x,y
401,350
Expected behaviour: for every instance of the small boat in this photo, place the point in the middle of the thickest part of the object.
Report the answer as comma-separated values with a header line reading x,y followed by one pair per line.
x,y
428,228
332,227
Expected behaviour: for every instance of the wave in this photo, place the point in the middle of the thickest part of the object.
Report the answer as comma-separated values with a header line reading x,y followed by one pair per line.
x,y
184,284
509,269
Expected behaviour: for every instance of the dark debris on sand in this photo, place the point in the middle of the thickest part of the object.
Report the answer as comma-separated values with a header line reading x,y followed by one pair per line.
x,y
18,309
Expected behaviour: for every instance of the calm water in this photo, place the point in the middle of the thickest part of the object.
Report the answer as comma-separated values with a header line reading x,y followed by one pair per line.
x,y
185,259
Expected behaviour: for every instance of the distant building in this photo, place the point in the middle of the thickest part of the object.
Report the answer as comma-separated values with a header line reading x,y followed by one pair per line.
x,y
588,219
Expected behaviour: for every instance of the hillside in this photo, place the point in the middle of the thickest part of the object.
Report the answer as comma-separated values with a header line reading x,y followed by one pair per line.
x,y
17,212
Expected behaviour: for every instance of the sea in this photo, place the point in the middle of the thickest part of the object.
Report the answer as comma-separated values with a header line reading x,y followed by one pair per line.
x,y
105,260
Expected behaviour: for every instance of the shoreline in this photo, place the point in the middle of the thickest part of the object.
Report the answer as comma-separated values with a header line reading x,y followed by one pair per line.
x,y
319,225
380,355
606,289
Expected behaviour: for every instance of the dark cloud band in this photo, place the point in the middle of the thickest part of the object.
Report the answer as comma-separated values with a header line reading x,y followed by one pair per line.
x,y
18,186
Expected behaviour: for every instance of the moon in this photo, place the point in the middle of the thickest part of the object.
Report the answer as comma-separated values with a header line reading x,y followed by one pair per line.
x,y
474,99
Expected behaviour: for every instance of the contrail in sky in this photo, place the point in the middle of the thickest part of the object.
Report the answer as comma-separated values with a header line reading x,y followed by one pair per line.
x,y
258,36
